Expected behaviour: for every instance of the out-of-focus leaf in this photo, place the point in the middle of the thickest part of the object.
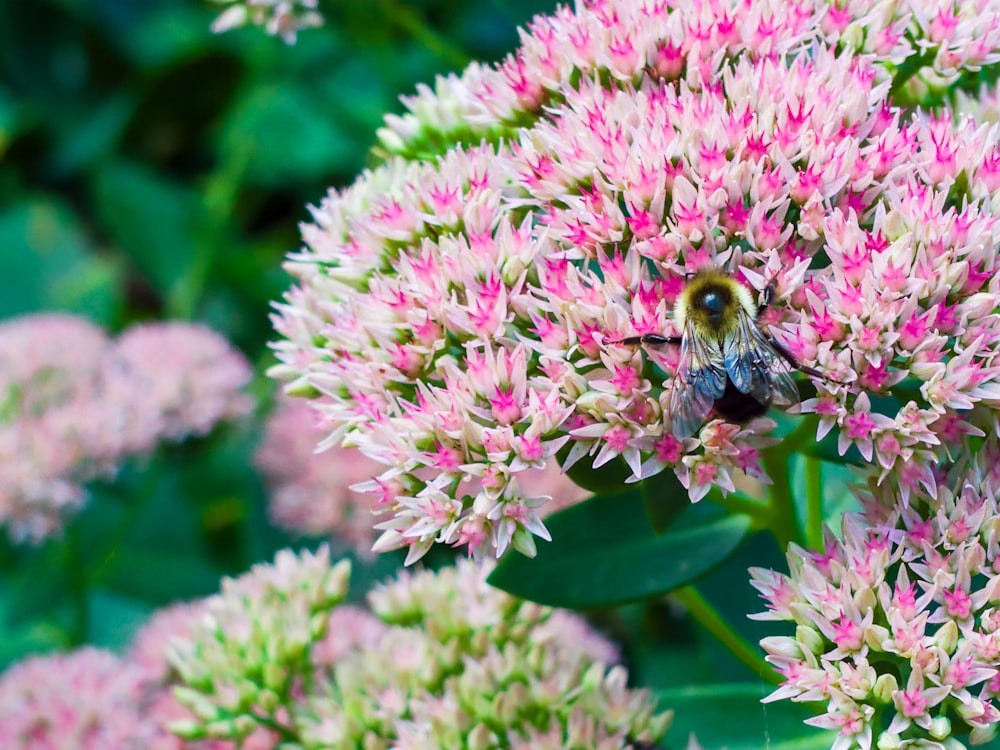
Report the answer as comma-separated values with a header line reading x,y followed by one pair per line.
x,y
12,118
181,105
44,52
37,579
604,552
92,135
664,498
46,265
92,291
359,97
161,575
290,136
731,716
157,222
113,619
34,638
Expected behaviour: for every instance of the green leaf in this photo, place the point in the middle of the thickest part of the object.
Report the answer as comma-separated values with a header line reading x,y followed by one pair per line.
x,y
114,619
606,479
664,498
731,716
290,136
161,34
46,265
36,581
12,118
37,637
159,224
92,135
604,552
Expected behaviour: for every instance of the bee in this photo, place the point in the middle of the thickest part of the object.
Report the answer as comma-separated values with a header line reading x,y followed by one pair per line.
x,y
728,363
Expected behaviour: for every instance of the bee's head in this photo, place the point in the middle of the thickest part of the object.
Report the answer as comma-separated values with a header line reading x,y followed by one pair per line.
x,y
711,301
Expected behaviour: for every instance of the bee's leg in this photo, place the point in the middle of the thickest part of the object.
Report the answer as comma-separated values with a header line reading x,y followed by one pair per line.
x,y
794,363
770,291
650,339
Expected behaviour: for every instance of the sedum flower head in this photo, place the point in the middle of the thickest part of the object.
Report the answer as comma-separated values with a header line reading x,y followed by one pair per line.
x,y
318,492
283,18
454,318
86,700
896,628
692,43
311,492
443,661
252,645
74,404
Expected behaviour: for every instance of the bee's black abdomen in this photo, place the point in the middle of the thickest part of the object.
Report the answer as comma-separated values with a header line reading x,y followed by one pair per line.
x,y
738,407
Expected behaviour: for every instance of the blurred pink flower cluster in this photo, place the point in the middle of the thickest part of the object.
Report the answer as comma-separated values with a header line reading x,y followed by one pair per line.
x,y
452,316
86,700
318,492
283,18
278,640
75,403
896,625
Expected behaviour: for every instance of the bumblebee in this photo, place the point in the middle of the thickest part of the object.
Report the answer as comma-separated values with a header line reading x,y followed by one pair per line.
x,y
728,363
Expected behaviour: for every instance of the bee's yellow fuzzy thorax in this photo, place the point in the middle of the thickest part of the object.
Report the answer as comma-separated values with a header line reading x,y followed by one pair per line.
x,y
711,302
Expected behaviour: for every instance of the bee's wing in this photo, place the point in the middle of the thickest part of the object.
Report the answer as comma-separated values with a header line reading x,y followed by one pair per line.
x,y
700,380
755,367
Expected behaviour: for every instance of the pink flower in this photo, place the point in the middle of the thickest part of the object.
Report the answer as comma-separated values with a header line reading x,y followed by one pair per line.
x,y
907,599
75,405
86,700
284,18
458,315
311,491
189,376
150,646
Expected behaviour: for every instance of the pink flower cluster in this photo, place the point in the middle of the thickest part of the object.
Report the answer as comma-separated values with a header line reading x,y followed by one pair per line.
x,y
284,18
86,700
317,493
691,42
896,625
259,664
74,404
453,317
311,492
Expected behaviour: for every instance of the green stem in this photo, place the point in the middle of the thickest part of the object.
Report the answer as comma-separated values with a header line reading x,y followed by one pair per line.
x,y
415,26
814,502
79,585
909,68
759,513
784,522
708,617
219,196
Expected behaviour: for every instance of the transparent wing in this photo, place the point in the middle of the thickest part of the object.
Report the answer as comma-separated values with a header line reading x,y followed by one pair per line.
x,y
755,367
700,380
